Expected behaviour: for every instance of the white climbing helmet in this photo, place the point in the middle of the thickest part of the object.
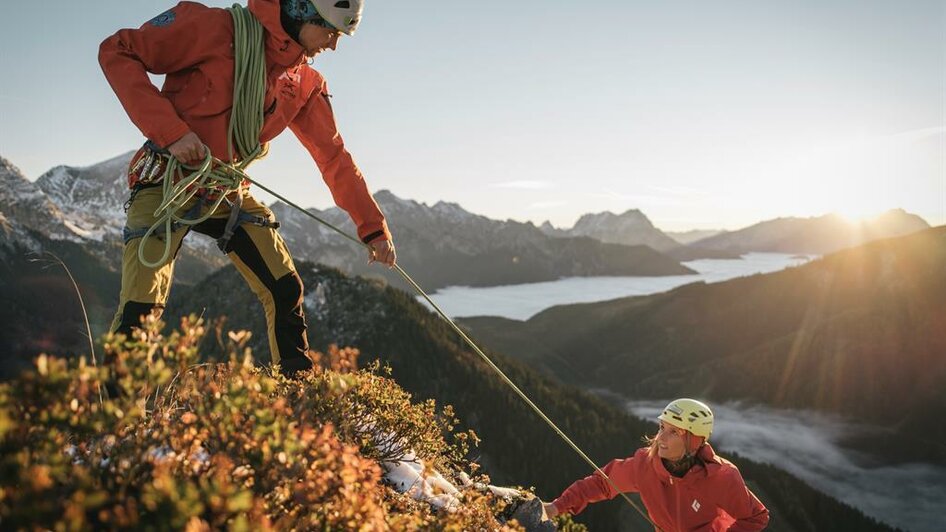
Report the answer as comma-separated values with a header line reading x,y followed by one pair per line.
x,y
343,14
689,414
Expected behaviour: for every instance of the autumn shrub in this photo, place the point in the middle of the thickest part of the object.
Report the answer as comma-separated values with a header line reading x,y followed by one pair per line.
x,y
158,440
377,414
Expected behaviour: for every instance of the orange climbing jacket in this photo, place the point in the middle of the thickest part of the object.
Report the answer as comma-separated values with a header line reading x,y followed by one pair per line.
x,y
710,497
193,45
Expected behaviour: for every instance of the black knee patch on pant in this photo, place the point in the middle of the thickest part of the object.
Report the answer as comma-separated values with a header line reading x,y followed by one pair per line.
x,y
287,291
132,313
290,324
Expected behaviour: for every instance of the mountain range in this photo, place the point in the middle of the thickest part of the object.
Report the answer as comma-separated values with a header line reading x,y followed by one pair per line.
x,y
816,235
441,244
693,235
40,310
810,236
631,228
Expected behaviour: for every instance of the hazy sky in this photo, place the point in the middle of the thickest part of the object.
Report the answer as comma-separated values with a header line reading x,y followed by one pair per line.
x,y
701,114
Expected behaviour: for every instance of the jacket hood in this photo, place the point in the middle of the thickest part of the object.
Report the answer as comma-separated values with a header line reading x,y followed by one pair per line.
x,y
280,47
711,466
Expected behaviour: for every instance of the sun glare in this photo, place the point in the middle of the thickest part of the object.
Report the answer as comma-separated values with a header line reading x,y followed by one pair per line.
x,y
857,213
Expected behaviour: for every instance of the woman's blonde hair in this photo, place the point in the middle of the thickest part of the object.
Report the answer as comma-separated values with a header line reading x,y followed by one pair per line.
x,y
651,442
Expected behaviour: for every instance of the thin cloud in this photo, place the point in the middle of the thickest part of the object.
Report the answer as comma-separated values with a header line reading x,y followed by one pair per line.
x,y
914,135
636,199
523,185
678,190
880,143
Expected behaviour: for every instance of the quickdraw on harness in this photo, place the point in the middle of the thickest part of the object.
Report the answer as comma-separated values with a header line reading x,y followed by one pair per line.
x,y
213,181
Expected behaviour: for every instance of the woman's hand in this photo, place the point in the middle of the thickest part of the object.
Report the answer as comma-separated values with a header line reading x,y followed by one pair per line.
x,y
550,509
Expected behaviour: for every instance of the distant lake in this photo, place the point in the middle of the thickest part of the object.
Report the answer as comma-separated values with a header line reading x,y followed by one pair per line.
x,y
522,301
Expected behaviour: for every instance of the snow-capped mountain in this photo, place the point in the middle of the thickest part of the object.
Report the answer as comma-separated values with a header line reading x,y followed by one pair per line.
x,y
91,197
25,205
85,205
13,239
632,228
92,200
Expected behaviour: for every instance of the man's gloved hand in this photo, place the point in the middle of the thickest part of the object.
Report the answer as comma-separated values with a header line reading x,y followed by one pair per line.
x,y
382,251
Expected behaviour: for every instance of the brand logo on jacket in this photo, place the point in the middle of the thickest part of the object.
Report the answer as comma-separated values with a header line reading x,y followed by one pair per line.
x,y
695,505
163,19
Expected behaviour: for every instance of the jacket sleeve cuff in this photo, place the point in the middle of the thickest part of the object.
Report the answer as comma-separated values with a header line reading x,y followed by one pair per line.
x,y
372,233
560,505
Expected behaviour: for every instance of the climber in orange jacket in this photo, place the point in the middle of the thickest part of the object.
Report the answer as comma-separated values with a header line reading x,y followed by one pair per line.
x,y
684,485
193,45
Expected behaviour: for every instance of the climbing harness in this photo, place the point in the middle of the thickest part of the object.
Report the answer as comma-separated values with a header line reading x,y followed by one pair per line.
x,y
223,179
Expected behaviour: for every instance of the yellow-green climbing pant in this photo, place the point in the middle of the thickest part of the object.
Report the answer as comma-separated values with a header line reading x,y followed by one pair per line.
x,y
258,252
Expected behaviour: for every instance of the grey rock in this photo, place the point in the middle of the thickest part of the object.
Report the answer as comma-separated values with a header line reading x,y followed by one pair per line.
x,y
531,516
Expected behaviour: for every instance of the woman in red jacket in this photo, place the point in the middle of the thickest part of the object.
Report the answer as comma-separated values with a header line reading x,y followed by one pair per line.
x,y
683,483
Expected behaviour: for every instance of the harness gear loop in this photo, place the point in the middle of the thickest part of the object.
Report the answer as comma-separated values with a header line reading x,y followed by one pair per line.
x,y
232,222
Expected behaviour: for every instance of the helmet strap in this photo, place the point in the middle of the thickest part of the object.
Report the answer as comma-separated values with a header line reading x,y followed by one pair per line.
x,y
692,444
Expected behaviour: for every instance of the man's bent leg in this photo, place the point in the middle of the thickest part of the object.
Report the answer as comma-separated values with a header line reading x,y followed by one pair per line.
x,y
262,258
144,290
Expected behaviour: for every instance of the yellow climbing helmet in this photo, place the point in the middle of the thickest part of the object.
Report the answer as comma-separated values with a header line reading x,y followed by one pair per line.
x,y
689,414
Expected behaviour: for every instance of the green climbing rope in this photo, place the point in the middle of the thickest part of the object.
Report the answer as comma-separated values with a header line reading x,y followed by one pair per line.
x,y
249,87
